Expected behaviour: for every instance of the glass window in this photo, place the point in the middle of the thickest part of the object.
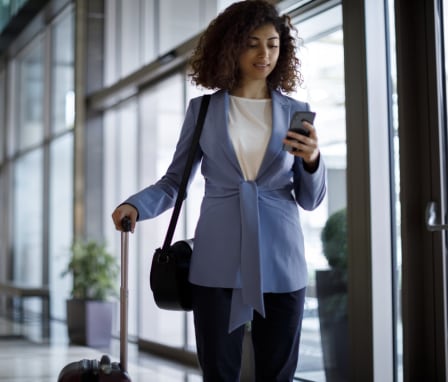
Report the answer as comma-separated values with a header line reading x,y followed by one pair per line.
x,y
28,169
60,219
61,160
148,40
136,35
324,341
28,218
120,181
4,194
130,29
181,20
62,72
131,36
30,96
3,222
111,51
161,115
2,116
144,152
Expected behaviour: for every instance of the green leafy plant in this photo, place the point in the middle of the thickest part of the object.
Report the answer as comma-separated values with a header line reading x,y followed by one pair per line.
x,y
334,240
332,286
94,271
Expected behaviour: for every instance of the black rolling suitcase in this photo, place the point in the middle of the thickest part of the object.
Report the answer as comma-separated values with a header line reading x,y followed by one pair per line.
x,y
104,370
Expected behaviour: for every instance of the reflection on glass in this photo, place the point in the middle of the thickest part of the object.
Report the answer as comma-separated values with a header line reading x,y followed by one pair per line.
x,y
324,347
29,115
396,214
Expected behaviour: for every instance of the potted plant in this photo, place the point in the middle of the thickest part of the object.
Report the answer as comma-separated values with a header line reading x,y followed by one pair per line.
x,y
331,289
90,308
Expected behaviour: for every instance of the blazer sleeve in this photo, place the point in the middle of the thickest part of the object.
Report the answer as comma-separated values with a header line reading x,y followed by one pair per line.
x,y
161,196
310,187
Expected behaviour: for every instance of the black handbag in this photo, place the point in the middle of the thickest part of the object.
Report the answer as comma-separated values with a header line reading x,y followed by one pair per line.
x,y
171,263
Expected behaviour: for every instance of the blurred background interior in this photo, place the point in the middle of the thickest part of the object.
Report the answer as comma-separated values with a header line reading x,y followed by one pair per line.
x,y
92,98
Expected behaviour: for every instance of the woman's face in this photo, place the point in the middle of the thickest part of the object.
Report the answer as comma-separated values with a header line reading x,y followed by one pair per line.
x,y
259,58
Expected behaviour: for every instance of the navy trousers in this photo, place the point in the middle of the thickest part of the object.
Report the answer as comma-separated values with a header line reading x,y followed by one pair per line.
x,y
275,338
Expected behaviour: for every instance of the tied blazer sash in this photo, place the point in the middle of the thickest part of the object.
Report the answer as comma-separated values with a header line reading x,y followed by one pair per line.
x,y
249,295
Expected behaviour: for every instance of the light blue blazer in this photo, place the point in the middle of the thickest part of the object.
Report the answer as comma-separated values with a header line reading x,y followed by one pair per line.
x,y
248,236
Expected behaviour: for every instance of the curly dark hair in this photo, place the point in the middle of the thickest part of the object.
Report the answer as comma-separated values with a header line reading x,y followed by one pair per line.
x,y
214,63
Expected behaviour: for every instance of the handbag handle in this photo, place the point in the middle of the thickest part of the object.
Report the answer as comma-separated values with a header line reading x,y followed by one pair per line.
x,y
189,164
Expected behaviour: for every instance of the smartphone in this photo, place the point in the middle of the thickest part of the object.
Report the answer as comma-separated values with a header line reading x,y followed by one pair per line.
x,y
296,125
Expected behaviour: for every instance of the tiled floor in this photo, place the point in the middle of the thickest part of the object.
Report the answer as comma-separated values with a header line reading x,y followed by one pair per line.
x,y
28,356
25,356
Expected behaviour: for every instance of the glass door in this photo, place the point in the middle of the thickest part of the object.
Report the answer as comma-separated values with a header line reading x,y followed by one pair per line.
x,y
324,341
348,330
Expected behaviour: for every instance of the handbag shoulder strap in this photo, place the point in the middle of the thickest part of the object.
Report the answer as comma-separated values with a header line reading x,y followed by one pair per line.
x,y
186,174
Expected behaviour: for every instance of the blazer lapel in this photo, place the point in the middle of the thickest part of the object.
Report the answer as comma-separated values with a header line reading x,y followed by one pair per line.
x,y
220,113
280,123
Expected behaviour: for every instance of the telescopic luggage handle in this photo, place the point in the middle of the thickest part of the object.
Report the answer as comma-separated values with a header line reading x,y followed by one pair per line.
x,y
126,226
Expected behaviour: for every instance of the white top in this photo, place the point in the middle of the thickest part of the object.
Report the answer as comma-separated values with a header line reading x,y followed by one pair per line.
x,y
250,128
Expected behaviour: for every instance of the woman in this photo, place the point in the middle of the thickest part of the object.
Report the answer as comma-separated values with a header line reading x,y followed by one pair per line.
x,y
248,263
